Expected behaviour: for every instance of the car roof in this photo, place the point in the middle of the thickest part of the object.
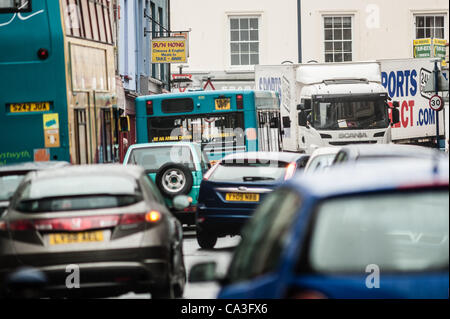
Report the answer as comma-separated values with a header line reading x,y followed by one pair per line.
x,y
373,175
271,156
32,166
88,170
326,150
391,150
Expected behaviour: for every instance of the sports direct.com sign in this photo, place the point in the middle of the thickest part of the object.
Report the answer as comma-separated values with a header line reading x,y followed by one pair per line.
x,y
405,81
169,50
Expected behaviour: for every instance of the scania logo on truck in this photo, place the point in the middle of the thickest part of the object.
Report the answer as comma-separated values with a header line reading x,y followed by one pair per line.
x,y
352,135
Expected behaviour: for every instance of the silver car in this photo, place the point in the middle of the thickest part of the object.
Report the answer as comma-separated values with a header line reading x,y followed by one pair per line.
x,y
107,222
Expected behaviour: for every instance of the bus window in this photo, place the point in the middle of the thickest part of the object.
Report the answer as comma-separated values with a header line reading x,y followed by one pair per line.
x,y
219,132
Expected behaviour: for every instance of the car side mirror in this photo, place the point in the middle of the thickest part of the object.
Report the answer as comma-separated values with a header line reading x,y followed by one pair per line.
x,y
203,272
181,202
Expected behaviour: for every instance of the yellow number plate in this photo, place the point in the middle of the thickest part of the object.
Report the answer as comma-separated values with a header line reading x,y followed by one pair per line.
x,y
75,238
242,197
223,104
29,107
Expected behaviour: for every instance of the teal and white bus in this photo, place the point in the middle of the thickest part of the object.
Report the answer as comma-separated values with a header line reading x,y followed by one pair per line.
x,y
57,81
222,122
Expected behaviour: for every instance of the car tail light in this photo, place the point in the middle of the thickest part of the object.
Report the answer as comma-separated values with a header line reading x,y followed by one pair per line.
x,y
290,170
82,223
153,216
240,101
210,171
149,107
308,294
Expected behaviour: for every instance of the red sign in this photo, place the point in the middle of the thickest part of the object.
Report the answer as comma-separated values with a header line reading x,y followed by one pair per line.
x,y
436,102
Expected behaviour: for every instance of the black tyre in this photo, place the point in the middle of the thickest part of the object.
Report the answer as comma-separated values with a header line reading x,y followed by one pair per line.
x,y
206,240
174,179
167,292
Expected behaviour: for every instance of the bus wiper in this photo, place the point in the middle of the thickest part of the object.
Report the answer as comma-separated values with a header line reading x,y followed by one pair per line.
x,y
256,178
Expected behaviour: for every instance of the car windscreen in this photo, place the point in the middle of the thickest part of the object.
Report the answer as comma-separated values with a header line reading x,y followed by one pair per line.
x,y
249,170
152,158
8,185
399,232
67,193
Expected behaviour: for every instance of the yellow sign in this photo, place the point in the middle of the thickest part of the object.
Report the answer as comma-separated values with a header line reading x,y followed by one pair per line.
x,y
51,121
51,130
440,41
222,104
422,41
29,107
169,50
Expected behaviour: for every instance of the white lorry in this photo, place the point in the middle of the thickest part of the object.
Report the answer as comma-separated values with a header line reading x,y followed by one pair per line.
x,y
329,104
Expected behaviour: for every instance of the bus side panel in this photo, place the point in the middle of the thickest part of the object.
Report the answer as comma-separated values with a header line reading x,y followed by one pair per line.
x,y
24,78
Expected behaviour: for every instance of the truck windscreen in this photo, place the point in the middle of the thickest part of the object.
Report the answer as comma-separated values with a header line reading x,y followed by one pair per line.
x,y
341,113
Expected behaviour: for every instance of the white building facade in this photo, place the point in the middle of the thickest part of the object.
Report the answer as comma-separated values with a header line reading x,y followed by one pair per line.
x,y
234,35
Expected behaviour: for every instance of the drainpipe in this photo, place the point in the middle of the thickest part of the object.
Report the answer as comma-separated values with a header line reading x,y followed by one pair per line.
x,y
136,47
299,30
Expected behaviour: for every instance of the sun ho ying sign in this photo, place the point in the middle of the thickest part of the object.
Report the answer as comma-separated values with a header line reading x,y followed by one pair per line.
x,y
169,50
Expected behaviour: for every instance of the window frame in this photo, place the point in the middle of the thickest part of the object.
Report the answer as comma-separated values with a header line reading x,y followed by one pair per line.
x,y
16,10
429,14
250,15
352,39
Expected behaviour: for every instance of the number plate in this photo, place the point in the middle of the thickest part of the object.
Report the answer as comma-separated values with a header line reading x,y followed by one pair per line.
x,y
29,107
223,104
76,238
242,197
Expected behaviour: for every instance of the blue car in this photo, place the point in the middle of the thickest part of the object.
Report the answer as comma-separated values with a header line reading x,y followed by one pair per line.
x,y
363,230
232,189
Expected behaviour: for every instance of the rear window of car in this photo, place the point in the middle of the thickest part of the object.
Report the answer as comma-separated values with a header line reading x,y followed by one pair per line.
x,y
152,158
397,232
8,185
78,193
249,170
320,162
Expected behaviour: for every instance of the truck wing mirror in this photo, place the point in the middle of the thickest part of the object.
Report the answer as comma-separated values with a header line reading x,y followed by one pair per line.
x,y
286,122
395,116
300,107
302,118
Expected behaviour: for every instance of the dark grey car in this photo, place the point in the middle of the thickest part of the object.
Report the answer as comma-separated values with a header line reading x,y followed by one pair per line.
x,y
108,222
12,175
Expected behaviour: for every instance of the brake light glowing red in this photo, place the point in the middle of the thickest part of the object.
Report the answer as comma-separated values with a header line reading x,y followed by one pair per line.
x,y
149,107
240,101
290,170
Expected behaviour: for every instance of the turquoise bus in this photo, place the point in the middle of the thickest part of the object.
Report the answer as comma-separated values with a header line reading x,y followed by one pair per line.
x,y
57,81
222,122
